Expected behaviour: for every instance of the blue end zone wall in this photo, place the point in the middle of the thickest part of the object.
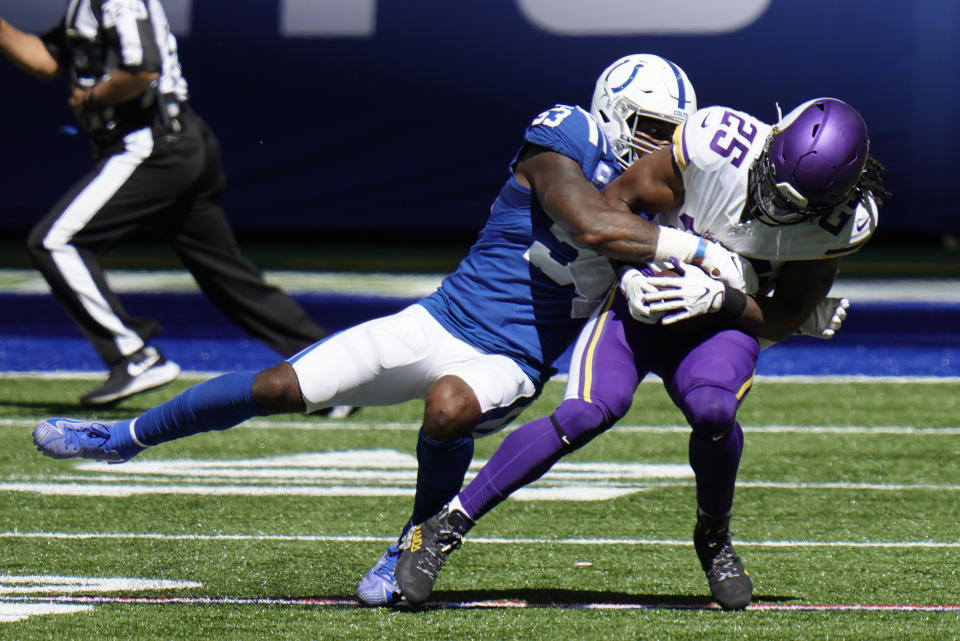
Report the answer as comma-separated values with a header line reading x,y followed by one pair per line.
x,y
351,115
878,338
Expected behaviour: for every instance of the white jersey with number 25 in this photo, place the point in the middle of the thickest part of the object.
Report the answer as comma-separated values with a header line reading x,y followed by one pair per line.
x,y
715,149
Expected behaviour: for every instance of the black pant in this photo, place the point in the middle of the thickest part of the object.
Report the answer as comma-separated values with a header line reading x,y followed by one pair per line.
x,y
171,185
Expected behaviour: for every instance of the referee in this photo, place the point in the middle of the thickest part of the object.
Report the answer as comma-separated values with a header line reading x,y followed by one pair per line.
x,y
156,163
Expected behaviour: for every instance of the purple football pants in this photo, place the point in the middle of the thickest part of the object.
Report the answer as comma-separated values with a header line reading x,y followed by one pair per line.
x,y
707,373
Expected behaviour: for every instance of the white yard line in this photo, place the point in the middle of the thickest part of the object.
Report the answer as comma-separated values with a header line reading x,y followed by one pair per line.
x,y
323,538
548,489
397,426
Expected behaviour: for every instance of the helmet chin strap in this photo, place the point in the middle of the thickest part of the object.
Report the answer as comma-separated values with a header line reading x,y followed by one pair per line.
x,y
752,209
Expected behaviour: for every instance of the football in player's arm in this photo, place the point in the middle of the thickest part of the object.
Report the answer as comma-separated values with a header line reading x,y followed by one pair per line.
x,y
655,184
758,188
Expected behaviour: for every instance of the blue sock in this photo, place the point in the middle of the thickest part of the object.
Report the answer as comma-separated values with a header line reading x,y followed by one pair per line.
x,y
217,404
442,466
121,440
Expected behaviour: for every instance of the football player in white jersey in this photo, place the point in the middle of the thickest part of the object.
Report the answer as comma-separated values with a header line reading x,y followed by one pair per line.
x,y
477,350
794,197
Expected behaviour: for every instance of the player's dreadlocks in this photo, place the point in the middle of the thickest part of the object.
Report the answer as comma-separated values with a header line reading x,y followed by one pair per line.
x,y
872,179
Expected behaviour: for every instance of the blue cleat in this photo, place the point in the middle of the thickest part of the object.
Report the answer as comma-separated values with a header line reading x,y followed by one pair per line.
x,y
63,438
378,587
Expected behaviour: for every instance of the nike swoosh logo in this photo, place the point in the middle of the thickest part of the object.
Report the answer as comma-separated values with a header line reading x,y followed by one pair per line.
x,y
704,123
56,426
136,369
865,222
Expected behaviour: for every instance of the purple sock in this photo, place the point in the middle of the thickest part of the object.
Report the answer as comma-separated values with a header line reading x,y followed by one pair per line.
x,y
715,445
531,450
715,465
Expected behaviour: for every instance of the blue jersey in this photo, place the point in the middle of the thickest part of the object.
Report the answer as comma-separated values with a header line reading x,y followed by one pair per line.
x,y
524,290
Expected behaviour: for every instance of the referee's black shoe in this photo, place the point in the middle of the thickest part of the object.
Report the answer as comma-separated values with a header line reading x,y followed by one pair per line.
x,y
143,370
730,583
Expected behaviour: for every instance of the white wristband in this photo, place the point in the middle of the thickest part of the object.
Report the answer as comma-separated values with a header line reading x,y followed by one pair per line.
x,y
673,243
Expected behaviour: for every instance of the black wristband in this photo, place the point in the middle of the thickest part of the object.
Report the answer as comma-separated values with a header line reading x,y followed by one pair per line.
x,y
734,302
90,102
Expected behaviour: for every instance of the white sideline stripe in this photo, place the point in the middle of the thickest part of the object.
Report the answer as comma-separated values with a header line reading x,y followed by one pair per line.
x,y
389,285
859,378
335,425
66,375
60,375
858,290
324,538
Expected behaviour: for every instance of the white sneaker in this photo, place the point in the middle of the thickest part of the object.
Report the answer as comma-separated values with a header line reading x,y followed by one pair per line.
x,y
141,371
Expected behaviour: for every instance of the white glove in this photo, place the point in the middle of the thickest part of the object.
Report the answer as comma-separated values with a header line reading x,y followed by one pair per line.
x,y
634,286
715,259
692,293
825,319
733,269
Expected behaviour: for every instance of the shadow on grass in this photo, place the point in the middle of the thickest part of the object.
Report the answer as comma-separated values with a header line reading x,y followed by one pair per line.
x,y
576,599
39,398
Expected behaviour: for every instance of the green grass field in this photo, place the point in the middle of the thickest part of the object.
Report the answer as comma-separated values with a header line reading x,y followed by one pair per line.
x,y
848,497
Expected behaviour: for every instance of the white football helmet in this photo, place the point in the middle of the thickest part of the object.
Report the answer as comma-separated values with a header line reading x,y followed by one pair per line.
x,y
634,90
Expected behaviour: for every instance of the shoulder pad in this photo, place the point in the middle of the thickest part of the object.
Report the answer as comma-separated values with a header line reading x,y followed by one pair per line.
x,y
566,130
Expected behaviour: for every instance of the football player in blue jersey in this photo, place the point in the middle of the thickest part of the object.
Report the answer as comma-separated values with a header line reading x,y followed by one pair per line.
x,y
795,197
479,349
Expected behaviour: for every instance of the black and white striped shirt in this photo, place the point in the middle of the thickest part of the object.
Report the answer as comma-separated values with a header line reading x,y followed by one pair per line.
x,y
96,37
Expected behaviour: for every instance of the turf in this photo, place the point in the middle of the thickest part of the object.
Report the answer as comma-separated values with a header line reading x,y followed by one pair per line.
x,y
847,497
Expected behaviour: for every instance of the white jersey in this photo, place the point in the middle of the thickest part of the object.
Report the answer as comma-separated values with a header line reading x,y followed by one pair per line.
x,y
715,149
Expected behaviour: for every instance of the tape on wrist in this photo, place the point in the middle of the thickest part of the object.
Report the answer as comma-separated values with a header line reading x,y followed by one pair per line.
x,y
734,303
700,252
673,243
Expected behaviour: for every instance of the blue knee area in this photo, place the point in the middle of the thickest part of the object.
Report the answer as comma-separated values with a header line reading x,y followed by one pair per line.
x,y
580,421
711,411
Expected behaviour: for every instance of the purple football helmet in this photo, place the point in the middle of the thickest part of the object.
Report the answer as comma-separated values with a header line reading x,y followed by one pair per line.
x,y
813,160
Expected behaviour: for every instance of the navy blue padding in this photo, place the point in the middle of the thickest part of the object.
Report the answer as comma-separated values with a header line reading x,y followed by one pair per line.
x,y
877,339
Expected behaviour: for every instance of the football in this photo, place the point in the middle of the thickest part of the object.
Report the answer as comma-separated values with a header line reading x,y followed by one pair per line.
x,y
667,273
692,327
